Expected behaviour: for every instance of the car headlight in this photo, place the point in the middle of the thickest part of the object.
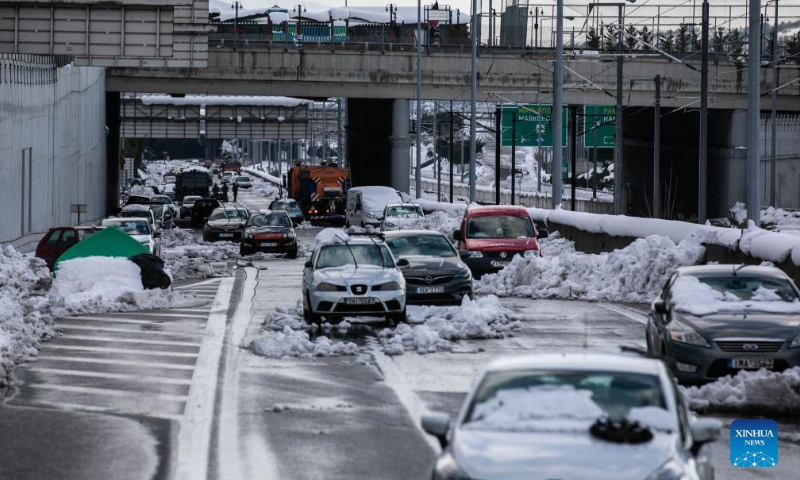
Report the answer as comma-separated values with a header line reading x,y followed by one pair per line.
x,y
387,286
672,469
475,254
447,469
329,287
796,342
683,333
462,274
248,234
288,235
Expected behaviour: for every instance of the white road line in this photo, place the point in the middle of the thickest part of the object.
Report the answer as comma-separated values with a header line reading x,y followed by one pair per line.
x,y
194,438
123,330
128,340
117,376
93,408
162,314
121,320
132,363
627,312
193,310
204,282
109,392
119,350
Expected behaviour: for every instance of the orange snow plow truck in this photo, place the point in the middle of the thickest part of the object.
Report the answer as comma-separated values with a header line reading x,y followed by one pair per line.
x,y
321,191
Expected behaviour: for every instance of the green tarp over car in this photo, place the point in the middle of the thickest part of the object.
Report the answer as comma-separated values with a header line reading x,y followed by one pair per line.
x,y
109,242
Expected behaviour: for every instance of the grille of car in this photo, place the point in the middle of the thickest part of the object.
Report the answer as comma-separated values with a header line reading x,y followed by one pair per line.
x,y
499,255
434,280
358,289
739,346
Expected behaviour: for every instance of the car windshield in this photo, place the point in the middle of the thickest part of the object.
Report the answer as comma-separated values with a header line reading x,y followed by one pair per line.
x,y
130,227
229,214
421,245
749,288
501,226
161,200
737,294
290,206
137,214
242,179
542,400
332,256
270,220
206,203
190,200
404,211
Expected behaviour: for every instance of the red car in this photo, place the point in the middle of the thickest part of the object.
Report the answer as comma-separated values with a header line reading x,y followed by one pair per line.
x,y
58,240
490,236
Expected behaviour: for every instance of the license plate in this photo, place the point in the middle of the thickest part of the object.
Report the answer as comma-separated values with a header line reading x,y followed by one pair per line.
x,y
751,363
360,301
225,235
499,264
429,289
268,244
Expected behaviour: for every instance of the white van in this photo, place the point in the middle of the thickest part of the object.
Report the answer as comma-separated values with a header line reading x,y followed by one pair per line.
x,y
365,204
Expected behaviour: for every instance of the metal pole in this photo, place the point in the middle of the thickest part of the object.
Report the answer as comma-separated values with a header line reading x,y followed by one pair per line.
x,y
702,180
436,152
325,130
473,100
513,154
491,34
558,101
539,162
594,157
774,117
450,157
339,149
753,116
657,151
618,183
573,150
497,148
418,169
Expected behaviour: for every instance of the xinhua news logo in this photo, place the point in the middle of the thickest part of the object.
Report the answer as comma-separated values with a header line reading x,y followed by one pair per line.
x,y
754,443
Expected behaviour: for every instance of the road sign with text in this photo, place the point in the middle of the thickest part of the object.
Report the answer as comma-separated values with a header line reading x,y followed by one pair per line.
x,y
533,125
599,122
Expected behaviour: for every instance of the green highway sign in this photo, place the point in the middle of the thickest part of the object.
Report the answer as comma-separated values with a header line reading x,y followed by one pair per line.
x,y
598,126
533,125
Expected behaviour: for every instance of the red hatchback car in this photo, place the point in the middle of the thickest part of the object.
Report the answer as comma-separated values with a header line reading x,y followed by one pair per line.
x,y
490,236
58,240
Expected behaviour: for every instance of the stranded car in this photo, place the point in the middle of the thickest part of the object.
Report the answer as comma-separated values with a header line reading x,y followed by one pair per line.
x,y
140,211
226,223
202,209
188,204
58,240
716,320
243,182
270,233
139,229
365,205
574,416
435,275
349,276
396,215
291,207
490,236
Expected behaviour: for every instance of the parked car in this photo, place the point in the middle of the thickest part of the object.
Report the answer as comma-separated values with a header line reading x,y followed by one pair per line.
x,y
490,236
226,223
188,204
435,274
138,228
137,200
716,320
574,416
227,177
244,182
58,240
270,233
165,200
291,207
140,211
353,276
365,205
202,209
163,215
395,215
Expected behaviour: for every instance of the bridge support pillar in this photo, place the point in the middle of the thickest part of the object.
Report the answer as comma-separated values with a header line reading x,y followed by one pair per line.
x,y
401,155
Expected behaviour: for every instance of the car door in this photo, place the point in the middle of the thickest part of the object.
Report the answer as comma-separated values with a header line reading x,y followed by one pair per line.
x,y
657,324
48,247
308,274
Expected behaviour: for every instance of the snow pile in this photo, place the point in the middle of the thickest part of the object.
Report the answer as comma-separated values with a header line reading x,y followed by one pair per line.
x,y
692,296
635,273
196,260
141,191
781,219
435,327
25,310
106,284
283,317
766,245
759,391
440,221
296,343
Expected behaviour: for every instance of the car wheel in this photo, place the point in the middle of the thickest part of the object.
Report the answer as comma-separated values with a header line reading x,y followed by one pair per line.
x,y
292,254
397,318
243,251
308,315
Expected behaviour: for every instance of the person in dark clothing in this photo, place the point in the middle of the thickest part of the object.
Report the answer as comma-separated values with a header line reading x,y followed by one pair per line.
x,y
215,190
225,192
235,191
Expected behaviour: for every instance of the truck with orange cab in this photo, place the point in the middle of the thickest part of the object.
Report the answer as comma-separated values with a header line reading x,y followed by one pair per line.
x,y
321,191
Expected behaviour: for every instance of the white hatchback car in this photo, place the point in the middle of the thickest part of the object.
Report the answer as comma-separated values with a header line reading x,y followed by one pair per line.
x,y
576,416
399,215
351,276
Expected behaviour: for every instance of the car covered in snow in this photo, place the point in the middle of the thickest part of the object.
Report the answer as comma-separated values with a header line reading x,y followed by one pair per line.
x,y
574,416
137,200
226,223
140,211
139,229
396,215
490,236
291,207
166,201
202,208
269,232
435,274
715,320
243,182
58,240
351,276
365,205
227,177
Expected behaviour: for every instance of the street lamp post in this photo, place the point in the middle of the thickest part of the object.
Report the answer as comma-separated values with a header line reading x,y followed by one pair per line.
x,y
418,169
300,9
774,116
473,99
753,114
392,9
236,6
702,181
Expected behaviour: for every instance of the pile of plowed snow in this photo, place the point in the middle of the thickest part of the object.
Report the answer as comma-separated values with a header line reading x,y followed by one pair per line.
x,y
761,392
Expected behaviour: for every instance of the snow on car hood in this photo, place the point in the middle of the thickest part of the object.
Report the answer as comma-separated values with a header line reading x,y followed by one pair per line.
x,y
142,238
364,274
502,244
742,325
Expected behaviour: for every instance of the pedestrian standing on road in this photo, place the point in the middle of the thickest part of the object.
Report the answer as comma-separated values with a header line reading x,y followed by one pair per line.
x,y
235,191
215,191
225,192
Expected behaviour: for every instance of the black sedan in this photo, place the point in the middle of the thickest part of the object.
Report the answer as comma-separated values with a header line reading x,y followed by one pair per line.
x,y
202,209
716,320
435,274
226,224
269,233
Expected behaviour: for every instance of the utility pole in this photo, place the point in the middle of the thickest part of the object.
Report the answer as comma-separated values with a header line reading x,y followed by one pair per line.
x,y
339,146
773,195
418,170
514,155
473,100
497,146
558,101
450,154
753,115
236,6
436,152
702,180
573,150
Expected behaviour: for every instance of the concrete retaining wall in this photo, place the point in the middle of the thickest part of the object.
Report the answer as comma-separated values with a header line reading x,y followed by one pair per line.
x,y
52,147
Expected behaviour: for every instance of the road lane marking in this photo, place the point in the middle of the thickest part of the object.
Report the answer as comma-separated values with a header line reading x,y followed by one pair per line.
x,y
120,350
122,330
197,284
109,392
626,312
131,363
159,314
117,376
93,408
125,320
128,340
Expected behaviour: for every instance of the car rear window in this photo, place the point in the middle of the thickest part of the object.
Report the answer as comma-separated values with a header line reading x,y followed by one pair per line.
x,y
420,245
500,226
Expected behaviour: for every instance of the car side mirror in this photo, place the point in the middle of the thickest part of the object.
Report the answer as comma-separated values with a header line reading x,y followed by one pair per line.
x,y
437,424
308,264
458,235
660,306
403,262
543,233
704,430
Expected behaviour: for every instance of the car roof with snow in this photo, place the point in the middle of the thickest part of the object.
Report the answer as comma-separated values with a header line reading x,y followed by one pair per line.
x,y
579,361
411,233
491,210
136,207
727,270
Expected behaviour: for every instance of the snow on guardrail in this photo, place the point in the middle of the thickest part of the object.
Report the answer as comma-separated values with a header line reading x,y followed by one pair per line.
x,y
263,175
